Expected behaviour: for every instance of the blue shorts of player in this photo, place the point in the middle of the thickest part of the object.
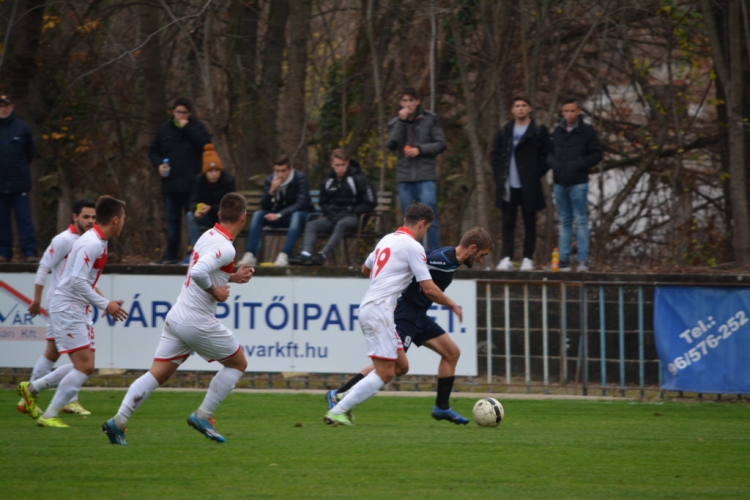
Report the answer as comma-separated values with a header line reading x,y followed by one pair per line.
x,y
414,326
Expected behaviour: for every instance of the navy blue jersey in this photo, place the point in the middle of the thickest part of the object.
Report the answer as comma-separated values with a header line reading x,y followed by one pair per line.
x,y
442,264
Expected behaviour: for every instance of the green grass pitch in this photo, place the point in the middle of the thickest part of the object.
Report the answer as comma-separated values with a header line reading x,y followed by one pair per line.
x,y
278,447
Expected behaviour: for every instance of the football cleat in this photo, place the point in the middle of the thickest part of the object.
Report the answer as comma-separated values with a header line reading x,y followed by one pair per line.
x,y
205,427
50,422
22,408
335,420
114,433
449,414
75,408
29,400
331,399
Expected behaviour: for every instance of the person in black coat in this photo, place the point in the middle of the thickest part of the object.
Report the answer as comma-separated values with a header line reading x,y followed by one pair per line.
x,y
208,190
16,153
285,204
575,149
519,161
344,195
177,154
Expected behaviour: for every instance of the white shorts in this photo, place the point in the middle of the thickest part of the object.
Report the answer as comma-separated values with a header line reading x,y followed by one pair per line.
x,y
379,329
212,342
72,331
51,331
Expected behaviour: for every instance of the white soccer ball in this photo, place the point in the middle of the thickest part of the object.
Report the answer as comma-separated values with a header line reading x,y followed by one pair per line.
x,y
488,412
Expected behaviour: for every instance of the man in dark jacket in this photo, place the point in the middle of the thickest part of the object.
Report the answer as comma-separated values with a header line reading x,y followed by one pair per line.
x,y
177,154
345,195
208,190
519,161
285,204
575,149
16,153
417,137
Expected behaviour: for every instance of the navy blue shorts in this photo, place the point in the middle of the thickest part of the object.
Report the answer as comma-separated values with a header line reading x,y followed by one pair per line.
x,y
416,328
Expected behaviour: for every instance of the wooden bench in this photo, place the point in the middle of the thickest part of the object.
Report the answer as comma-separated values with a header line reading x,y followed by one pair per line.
x,y
372,226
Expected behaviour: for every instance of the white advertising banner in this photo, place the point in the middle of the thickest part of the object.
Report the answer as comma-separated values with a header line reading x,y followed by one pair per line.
x,y
284,324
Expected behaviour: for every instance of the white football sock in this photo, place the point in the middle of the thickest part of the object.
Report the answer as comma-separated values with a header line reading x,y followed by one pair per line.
x,y
51,379
362,390
219,388
42,367
138,392
68,388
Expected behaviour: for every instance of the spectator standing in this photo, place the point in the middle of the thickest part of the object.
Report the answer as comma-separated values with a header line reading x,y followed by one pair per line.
x,y
417,137
575,149
16,153
284,204
177,154
345,195
519,161
208,190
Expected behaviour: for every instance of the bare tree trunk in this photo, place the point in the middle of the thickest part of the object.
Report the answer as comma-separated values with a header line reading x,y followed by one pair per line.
x,y
153,85
378,93
293,113
273,59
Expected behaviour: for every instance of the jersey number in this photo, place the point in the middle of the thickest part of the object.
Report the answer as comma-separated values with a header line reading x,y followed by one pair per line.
x,y
381,258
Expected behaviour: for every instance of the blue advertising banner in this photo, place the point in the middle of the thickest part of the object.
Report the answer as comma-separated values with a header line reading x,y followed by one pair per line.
x,y
703,338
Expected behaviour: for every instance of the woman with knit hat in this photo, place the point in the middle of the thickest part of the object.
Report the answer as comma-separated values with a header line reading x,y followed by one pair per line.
x,y
209,188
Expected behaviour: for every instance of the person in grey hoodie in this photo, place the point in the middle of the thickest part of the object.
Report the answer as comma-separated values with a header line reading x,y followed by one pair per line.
x,y
417,137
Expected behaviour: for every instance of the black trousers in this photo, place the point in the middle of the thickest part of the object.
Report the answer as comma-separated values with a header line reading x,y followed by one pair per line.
x,y
510,213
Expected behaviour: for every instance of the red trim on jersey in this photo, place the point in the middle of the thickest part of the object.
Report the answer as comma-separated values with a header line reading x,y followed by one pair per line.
x,y
87,346
384,359
98,230
181,356
221,229
73,229
229,268
402,229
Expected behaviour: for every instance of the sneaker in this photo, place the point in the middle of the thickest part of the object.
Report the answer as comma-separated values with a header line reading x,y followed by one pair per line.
x,y
164,261
449,414
282,260
335,420
29,400
582,267
205,427
114,433
331,399
319,260
527,265
505,265
301,260
75,408
248,259
22,408
50,422
565,267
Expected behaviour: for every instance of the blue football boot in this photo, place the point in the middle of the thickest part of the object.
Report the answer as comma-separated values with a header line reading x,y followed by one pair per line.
x,y
449,414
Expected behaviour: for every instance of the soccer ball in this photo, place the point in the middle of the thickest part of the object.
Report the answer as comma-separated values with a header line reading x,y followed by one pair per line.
x,y
488,412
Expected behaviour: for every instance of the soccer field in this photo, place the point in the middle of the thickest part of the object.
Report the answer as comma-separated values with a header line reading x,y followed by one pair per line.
x,y
278,447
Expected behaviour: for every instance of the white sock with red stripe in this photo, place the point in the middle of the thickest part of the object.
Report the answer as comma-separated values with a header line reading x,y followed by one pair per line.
x,y
138,392
219,388
66,391
51,379
42,367
362,390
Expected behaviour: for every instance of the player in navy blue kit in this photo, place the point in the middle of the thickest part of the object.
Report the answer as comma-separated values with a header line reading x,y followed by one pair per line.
x,y
414,326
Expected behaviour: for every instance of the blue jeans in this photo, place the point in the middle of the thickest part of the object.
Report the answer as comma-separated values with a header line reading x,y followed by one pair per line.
x,y
294,222
20,204
424,192
572,205
196,227
177,204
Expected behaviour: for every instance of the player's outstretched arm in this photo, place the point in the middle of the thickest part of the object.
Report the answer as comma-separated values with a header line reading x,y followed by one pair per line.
x,y
435,294
242,274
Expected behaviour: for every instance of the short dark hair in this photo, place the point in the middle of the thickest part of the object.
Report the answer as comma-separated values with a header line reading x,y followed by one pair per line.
x,y
82,203
418,211
570,100
107,208
523,98
281,160
183,101
339,154
410,91
232,206
477,236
